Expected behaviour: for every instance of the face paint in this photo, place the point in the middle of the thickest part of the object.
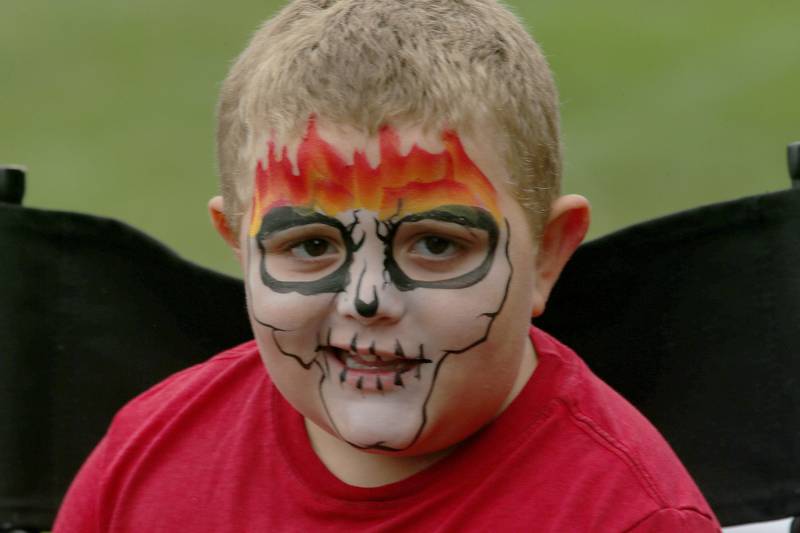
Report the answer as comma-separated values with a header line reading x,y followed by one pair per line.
x,y
363,280
414,182
282,219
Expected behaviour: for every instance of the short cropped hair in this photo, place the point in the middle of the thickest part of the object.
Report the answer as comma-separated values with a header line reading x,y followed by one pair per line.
x,y
360,63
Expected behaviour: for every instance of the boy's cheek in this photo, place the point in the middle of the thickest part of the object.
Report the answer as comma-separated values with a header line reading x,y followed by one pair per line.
x,y
471,390
287,311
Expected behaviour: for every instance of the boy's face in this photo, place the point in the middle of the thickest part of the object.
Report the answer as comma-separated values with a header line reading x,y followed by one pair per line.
x,y
390,283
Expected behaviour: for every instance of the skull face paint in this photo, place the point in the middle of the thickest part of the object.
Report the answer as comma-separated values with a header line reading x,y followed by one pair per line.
x,y
368,285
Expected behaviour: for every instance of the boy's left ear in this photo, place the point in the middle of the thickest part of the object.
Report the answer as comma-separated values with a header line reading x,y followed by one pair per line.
x,y
220,222
565,229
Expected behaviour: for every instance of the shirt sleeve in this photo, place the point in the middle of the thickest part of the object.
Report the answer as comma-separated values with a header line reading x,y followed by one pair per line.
x,y
79,509
676,521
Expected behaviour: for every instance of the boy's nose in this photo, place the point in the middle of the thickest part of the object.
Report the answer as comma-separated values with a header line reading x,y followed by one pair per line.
x,y
367,298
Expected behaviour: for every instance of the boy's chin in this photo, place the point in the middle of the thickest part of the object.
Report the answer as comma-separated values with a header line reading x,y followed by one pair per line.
x,y
391,440
404,438
376,423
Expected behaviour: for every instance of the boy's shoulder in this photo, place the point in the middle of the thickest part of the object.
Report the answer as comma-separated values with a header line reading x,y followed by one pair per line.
x,y
599,434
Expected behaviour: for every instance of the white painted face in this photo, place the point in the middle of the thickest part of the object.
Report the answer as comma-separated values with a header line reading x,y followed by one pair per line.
x,y
398,325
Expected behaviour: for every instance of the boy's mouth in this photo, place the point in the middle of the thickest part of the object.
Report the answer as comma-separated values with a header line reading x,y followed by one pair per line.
x,y
370,370
375,362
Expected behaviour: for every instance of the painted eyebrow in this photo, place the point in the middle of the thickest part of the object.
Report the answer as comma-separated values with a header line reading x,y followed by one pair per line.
x,y
285,217
478,218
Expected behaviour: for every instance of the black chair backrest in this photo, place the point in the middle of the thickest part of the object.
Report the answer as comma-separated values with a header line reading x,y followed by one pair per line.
x,y
92,312
695,318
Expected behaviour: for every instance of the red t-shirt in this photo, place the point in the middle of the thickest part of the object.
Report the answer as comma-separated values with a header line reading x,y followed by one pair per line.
x,y
217,448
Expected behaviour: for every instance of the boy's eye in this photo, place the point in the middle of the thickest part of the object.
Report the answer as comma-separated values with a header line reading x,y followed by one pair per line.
x,y
312,248
432,250
434,247
303,253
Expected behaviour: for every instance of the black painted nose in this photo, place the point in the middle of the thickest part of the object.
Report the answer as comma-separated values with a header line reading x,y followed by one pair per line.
x,y
367,309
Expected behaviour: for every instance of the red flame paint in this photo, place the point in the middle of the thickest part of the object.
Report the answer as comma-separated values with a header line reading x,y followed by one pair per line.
x,y
400,184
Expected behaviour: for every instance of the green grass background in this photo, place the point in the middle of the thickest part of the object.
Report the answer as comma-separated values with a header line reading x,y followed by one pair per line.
x,y
666,105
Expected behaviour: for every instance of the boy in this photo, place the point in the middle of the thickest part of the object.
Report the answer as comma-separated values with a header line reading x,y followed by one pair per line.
x,y
390,175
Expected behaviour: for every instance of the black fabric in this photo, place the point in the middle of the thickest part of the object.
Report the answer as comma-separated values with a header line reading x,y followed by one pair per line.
x,y
92,312
694,318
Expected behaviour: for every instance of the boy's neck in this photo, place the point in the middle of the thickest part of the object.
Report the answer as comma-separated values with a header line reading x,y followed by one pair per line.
x,y
362,469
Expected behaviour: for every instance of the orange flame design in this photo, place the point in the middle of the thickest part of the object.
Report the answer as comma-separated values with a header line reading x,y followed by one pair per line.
x,y
399,185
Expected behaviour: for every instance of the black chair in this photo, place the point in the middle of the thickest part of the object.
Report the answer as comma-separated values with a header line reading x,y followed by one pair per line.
x,y
692,317
92,312
695,318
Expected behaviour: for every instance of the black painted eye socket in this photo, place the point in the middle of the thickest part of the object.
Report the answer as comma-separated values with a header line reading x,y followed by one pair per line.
x,y
448,248
303,251
448,259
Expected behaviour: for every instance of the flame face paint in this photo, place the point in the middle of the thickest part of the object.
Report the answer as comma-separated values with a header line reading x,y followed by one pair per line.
x,y
362,281
400,184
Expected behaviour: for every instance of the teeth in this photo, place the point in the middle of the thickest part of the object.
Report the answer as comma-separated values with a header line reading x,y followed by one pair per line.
x,y
352,363
367,362
373,361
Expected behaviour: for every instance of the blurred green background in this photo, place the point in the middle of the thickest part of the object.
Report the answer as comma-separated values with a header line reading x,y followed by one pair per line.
x,y
666,105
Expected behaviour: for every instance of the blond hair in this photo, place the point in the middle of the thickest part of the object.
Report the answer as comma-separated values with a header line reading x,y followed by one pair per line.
x,y
360,63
